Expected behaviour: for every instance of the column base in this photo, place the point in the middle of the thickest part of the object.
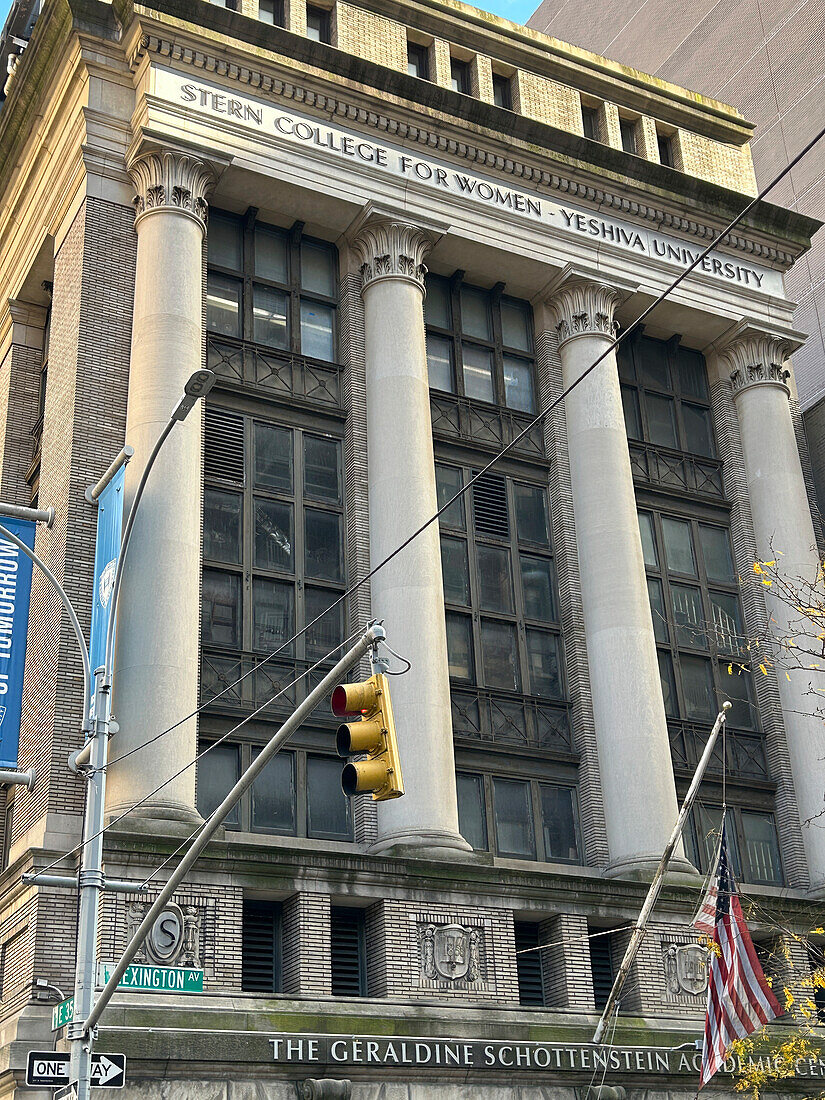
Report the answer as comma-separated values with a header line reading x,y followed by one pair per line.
x,y
429,844
642,869
164,819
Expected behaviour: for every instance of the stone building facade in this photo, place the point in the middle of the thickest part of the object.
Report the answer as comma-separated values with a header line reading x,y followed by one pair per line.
x,y
396,232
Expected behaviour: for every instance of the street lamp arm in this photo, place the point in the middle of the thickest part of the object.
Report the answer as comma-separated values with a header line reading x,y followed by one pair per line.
x,y
70,611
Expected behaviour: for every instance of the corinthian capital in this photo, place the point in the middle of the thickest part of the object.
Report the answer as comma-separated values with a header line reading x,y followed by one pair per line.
x,y
171,181
756,358
584,307
391,249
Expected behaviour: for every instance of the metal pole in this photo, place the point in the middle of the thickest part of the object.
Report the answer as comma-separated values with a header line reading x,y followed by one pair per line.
x,y
69,882
36,515
659,878
67,603
373,634
90,883
94,491
13,777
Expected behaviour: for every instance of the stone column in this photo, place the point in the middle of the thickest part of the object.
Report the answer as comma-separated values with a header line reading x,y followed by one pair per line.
x,y
784,532
639,793
407,593
156,665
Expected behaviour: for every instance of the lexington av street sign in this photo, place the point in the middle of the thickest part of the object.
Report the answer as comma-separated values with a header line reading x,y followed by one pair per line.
x,y
49,1069
154,979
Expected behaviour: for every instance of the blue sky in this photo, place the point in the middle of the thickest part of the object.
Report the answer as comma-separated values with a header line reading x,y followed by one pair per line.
x,y
517,10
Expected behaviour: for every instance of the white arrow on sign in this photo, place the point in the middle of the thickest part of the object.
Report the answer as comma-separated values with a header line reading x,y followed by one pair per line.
x,y
104,1070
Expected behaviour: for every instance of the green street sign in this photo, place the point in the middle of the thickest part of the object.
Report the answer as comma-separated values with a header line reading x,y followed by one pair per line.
x,y
62,1013
154,979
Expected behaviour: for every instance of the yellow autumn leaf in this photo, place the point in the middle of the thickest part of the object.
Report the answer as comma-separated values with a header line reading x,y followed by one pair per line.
x,y
764,670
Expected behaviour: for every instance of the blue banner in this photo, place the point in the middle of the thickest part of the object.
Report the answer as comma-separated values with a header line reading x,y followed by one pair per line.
x,y
15,590
107,549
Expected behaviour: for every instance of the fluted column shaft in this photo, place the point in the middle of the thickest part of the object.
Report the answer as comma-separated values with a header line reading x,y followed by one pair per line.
x,y
407,593
784,532
156,665
634,753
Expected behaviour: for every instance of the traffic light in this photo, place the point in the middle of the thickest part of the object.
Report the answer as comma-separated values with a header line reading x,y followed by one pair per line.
x,y
373,734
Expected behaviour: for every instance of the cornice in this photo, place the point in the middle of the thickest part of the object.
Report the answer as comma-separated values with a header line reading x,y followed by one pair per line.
x,y
334,106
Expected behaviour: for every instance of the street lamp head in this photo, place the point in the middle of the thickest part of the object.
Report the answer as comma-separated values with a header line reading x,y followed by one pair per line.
x,y
199,385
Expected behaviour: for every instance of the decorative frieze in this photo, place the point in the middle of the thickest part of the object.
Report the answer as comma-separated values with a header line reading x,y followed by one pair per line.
x,y
171,181
757,358
582,307
391,249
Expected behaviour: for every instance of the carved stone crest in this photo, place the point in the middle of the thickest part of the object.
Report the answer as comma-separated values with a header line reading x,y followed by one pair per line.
x,y
686,969
450,952
174,938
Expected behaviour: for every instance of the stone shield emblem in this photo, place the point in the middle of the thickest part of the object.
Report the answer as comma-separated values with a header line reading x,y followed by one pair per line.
x,y
688,968
165,938
451,951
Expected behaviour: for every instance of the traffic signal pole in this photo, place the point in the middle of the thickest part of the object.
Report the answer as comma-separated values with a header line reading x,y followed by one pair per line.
x,y
374,634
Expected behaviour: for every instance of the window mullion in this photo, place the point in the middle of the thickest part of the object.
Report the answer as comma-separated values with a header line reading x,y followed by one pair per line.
x,y
248,534
455,310
295,287
518,593
300,541
475,603
538,822
245,808
498,345
301,807
248,262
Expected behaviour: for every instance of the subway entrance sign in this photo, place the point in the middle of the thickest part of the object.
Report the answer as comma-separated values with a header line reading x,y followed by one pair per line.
x,y
154,979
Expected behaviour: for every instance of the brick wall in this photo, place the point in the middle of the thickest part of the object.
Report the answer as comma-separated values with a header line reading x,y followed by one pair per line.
x,y
371,36
728,165
547,100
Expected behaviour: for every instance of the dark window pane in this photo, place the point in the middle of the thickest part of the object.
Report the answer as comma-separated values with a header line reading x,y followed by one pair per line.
x,y
502,92
628,134
218,772
558,811
698,436
448,481
661,420
531,514
665,150
221,608
455,570
657,609
707,825
514,818
460,647
475,313
417,61
716,552
537,588
318,269
688,616
478,372
224,242
737,687
543,664
760,848
273,457
318,331
697,688
727,623
437,302
328,632
323,544
630,405
328,808
322,468
273,535
223,305
269,320
472,822
273,794
646,530
460,76
273,615
440,363
624,361
515,325
693,377
518,384
495,582
499,656
678,546
318,24
590,122
271,255
668,684
221,526
652,359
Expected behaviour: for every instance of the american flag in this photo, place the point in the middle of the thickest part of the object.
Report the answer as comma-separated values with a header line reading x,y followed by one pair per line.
x,y
739,998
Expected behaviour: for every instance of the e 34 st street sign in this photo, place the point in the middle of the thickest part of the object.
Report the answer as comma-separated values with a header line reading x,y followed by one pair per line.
x,y
51,1070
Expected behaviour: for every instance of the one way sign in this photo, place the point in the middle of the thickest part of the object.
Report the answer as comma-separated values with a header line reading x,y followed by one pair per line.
x,y
52,1070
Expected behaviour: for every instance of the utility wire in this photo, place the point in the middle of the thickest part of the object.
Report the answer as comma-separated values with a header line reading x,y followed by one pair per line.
x,y
200,755
719,238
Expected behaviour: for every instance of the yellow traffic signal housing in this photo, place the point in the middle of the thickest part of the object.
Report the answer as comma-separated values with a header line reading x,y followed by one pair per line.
x,y
373,734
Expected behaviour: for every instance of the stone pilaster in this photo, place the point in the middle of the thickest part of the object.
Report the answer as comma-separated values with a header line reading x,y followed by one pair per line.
x,y
783,527
628,710
156,667
407,593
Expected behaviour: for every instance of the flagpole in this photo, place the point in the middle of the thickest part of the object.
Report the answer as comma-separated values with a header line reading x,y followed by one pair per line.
x,y
659,878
